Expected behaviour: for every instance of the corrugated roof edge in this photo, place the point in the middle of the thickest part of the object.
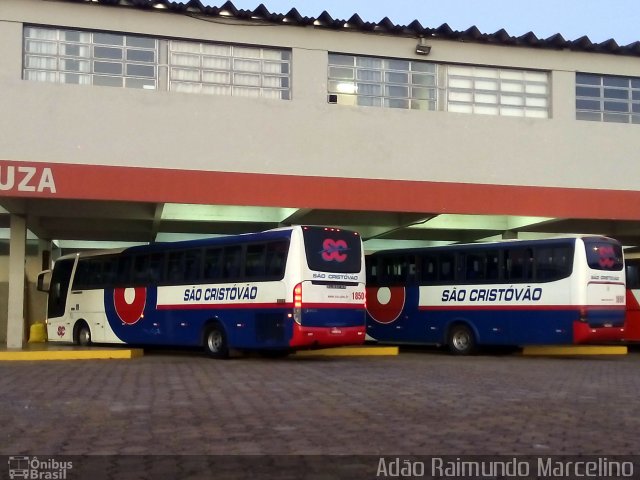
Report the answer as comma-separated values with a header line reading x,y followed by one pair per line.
x,y
384,26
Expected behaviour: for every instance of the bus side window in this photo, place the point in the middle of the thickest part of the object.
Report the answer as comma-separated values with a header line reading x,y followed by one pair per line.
x,y
276,260
175,267
518,264
446,267
109,271
429,272
553,263
213,264
155,270
371,266
140,266
123,276
474,263
254,266
232,262
412,270
493,266
633,276
193,265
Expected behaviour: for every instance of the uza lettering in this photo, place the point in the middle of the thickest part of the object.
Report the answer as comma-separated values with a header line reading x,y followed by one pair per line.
x,y
27,179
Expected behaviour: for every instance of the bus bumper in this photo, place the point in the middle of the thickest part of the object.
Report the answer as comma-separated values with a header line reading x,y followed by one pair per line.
x,y
311,337
583,333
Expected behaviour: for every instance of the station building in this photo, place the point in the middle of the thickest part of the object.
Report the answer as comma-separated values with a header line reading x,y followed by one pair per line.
x,y
144,120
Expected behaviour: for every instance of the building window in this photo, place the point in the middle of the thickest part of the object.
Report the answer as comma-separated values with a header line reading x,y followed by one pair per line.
x,y
221,69
90,58
604,98
382,82
497,91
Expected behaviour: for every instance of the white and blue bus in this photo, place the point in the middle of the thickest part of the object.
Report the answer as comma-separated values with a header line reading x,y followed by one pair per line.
x,y
274,291
509,293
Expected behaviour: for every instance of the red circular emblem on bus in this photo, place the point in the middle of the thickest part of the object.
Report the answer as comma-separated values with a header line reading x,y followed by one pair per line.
x,y
129,303
385,304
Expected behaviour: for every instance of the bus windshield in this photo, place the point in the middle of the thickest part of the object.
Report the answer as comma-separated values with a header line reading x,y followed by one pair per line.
x,y
603,255
332,250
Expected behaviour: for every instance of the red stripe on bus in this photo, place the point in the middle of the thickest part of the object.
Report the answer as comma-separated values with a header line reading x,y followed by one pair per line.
x,y
213,306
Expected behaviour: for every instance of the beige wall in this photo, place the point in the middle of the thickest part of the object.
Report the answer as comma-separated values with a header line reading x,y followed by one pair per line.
x,y
111,126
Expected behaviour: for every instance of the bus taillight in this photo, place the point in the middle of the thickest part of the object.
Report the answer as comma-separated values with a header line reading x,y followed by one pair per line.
x,y
297,303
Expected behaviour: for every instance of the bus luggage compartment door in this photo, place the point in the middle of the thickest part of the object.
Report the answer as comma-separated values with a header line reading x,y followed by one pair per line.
x,y
610,299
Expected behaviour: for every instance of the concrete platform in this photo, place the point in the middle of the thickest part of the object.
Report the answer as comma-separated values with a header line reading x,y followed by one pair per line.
x,y
358,351
570,350
45,351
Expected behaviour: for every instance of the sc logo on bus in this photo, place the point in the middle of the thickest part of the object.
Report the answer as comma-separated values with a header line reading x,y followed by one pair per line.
x,y
607,256
332,250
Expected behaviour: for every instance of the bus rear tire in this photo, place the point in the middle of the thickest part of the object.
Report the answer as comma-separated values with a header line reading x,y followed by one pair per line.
x,y
83,335
461,340
215,342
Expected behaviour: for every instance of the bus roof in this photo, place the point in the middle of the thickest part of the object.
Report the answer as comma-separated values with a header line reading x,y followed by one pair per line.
x,y
494,244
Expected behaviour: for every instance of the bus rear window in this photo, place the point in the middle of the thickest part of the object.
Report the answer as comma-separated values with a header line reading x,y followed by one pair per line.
x,y
332,250
603,255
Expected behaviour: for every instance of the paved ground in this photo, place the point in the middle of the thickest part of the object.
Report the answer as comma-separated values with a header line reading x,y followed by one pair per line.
x,y
419,403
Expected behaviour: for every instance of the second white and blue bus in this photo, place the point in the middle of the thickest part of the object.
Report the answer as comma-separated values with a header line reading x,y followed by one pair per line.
x,y
274,291
556,291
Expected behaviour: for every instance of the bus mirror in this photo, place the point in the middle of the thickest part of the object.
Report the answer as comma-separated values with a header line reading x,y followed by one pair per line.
x,y
44,281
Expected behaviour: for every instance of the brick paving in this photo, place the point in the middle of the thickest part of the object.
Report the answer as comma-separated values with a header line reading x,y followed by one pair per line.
x,y
419,403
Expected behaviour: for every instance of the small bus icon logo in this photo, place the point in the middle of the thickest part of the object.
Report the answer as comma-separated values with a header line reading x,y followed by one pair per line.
x,y
18,467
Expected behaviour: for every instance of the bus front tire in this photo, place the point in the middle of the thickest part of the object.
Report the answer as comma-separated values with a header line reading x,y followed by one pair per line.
x,y
215,342
83,335
461,340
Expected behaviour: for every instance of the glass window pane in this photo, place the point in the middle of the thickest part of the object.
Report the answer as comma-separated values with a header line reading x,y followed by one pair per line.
x,y
592,116
616,93
587,92
337,72
141,55
429,80
615,118
396,103
423,67
347,60
369,75
141,70
108,39
616,82
216,77
246,52
394,77
107,67
141,42
369,62
107,81
107,52
486,85
616,106
587,79
142,83
398,65
216,63
587,104
216,49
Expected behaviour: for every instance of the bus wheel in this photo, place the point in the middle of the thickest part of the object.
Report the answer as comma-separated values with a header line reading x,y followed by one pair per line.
x,y
461,340
83,337
215,342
